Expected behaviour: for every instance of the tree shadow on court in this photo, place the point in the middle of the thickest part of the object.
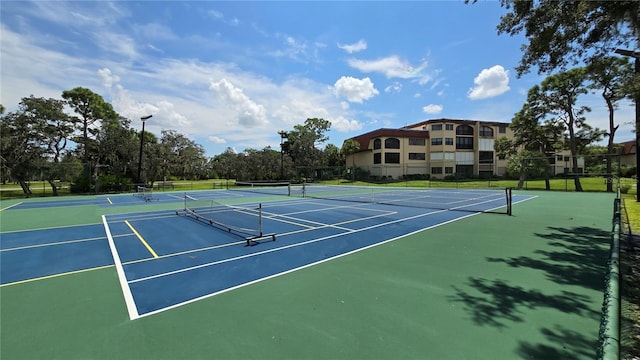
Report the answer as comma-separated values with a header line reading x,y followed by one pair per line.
x,y
571,346
500,302
575,257
580,259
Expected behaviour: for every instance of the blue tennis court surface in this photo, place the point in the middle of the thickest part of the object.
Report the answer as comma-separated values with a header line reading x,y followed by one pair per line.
x,y
165,260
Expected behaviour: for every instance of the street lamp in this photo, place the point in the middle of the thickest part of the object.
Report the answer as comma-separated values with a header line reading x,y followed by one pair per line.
x,y
283,135
636,56
144,118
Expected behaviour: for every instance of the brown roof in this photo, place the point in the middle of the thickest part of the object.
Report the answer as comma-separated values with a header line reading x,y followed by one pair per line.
x,y
364,139
627,148
454,121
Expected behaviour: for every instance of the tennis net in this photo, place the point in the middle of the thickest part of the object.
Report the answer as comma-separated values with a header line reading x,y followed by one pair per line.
x,y
243,222
467,200
270,188
144,193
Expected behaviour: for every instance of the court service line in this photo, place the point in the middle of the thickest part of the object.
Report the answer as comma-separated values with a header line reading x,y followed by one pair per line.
x,y
126,291
141,239
53,244
352,231
306,228
310,264
319,225
188,252
47,228
10,206
55,276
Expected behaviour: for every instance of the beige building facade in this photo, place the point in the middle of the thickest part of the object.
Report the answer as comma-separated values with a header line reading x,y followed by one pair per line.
x,y
436,149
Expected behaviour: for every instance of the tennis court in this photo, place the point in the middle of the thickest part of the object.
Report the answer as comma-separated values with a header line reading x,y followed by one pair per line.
x,y
372,277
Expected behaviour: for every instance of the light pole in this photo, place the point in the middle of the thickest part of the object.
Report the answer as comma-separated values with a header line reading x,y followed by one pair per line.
x,y
636,56
144,118
283,135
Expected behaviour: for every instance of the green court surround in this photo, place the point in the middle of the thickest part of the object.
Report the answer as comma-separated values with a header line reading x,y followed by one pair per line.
x,y
489,286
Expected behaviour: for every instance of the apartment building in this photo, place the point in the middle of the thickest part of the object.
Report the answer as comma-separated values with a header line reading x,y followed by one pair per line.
x,y
436,148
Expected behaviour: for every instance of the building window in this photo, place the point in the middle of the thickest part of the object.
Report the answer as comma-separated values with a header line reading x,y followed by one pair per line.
x,y
502,129
448,170
485,157
392,143
464,142
377,158
464,130
559,157
449,127
486,131
448,141
417,156
436,170
436,141
436,127
392,158
377,144
416,141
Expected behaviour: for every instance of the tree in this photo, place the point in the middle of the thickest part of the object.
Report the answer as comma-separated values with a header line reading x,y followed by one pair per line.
x,y
91,108
610,75
303,140
179,155
21,147
116,154
332,157
557,96
568,32
225,163
350,147
56,127
532,137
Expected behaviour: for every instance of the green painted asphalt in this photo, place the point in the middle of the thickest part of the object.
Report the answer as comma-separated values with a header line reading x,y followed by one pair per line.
x,y
488,286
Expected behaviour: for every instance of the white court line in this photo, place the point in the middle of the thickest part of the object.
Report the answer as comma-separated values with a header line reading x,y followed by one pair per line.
x,y
283,247
48,228
10,206
301,267
310,264
53,244
55,276
126,291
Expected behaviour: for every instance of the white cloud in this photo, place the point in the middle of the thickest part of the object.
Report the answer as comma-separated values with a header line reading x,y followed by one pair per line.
x,y
297,49
343,124
432,109
119,44
355,90
396,87
217,140
490,83
392,67
248,112
177,92
355,47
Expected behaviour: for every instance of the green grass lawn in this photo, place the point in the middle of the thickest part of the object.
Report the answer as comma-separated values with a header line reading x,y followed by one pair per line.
x,y
589,184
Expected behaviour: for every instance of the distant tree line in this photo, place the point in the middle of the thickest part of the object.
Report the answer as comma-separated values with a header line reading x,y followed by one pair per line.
x,y
81,140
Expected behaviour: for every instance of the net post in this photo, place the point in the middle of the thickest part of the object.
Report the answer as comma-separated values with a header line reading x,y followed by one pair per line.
x,y
509,200
260,219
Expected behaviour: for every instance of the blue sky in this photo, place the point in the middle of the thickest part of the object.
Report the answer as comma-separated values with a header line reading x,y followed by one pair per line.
x,y
232,74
